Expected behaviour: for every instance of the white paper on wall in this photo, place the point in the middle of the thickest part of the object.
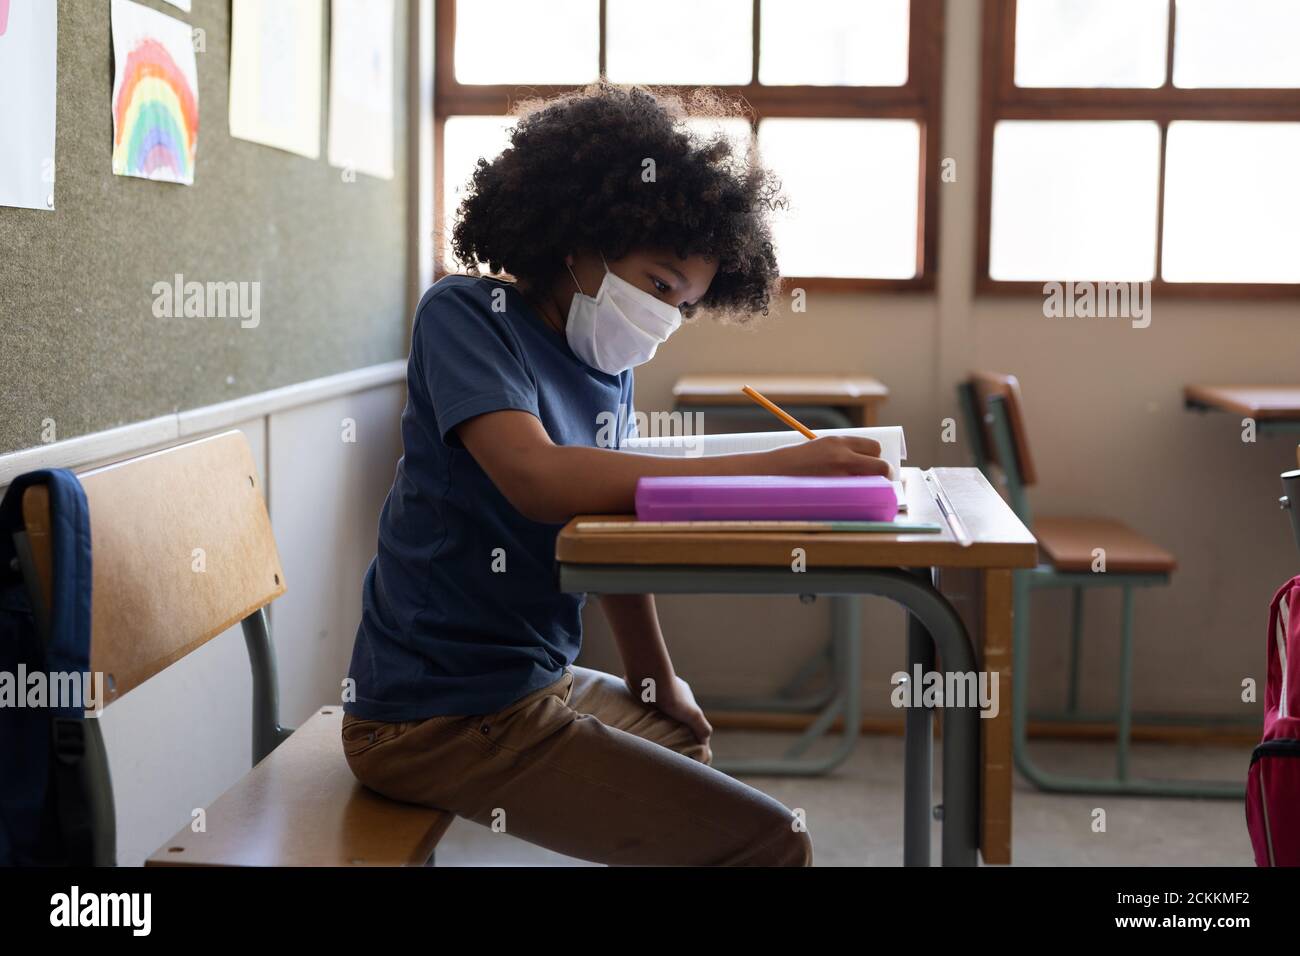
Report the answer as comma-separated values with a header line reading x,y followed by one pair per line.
x,y
275,73
28,102
361,86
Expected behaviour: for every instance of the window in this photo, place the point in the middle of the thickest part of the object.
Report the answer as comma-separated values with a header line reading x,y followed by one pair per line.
x,y
1141,140
845,95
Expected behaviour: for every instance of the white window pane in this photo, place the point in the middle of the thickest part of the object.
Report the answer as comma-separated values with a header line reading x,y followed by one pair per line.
x,y
1074,201
1234,43
679,41
1091,43
1232,212
527,41
834,42
852,187
465,140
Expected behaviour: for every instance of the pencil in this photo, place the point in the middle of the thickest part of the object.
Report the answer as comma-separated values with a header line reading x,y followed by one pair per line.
x,y
779,412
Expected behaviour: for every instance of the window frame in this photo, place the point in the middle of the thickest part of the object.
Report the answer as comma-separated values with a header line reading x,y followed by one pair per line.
x,y
919,100
1001,99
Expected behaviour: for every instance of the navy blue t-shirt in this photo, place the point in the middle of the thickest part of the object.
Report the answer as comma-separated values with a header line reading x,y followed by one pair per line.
x,y
461,612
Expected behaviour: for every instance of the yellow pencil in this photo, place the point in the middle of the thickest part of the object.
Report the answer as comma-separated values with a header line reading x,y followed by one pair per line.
x,y
779,412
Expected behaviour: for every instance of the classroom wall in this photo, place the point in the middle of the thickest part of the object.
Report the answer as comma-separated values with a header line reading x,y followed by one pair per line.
x,y
1109,436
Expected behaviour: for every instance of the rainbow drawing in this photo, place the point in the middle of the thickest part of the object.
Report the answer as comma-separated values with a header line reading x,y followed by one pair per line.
x,y
155,96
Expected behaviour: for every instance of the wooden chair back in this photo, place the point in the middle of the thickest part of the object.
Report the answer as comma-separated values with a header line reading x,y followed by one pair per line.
x,y
182,549
985,385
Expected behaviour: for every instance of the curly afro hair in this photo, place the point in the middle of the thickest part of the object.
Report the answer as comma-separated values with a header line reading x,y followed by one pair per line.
x,y
574,179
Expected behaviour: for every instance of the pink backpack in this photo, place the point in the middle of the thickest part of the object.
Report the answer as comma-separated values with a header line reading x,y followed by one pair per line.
x,y
1273,784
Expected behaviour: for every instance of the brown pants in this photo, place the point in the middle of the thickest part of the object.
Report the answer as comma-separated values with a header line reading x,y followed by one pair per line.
x,y
583,768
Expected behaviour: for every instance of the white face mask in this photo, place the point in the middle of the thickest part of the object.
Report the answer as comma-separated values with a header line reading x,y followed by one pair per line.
x,y
621,327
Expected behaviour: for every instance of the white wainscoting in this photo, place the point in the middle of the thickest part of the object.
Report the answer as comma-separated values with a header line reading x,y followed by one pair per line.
x,y
326,494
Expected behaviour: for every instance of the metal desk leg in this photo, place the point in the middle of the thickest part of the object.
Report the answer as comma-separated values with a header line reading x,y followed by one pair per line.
x,y
932,614
918,754
961,769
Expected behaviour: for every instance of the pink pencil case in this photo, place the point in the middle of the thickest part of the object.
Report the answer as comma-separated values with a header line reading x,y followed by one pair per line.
x,y
765,498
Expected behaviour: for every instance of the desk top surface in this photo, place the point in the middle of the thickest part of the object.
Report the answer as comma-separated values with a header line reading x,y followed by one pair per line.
x,y
793,389
999,539
1258,401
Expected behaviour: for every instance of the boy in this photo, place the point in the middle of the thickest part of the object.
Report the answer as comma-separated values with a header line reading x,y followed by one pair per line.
x,y
467,697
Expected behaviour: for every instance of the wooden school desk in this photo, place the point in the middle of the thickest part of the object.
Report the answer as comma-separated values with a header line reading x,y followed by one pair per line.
x,y
819,401
970,627
1275,408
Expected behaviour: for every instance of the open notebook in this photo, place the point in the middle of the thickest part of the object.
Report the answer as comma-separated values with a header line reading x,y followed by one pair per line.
x,y
892,446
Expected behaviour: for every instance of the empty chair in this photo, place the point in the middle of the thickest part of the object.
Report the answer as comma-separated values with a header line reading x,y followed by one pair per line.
x,y
1077,552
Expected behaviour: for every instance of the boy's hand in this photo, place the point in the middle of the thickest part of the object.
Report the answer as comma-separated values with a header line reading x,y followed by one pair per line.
x,y
831,455
678,702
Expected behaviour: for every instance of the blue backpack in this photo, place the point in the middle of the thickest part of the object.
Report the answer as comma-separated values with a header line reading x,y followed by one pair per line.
x,y
45,806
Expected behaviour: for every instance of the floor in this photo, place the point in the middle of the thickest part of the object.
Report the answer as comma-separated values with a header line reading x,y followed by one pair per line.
x,y
855,814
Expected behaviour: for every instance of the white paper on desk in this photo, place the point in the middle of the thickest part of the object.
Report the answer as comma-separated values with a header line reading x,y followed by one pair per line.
x,y
28,39
275,73
893,447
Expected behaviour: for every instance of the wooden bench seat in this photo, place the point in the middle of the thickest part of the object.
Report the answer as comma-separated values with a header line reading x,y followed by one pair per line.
x,y
1068,544
301,806
152,519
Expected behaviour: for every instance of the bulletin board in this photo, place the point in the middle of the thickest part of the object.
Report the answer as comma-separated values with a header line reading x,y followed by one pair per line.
x,y
81,344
